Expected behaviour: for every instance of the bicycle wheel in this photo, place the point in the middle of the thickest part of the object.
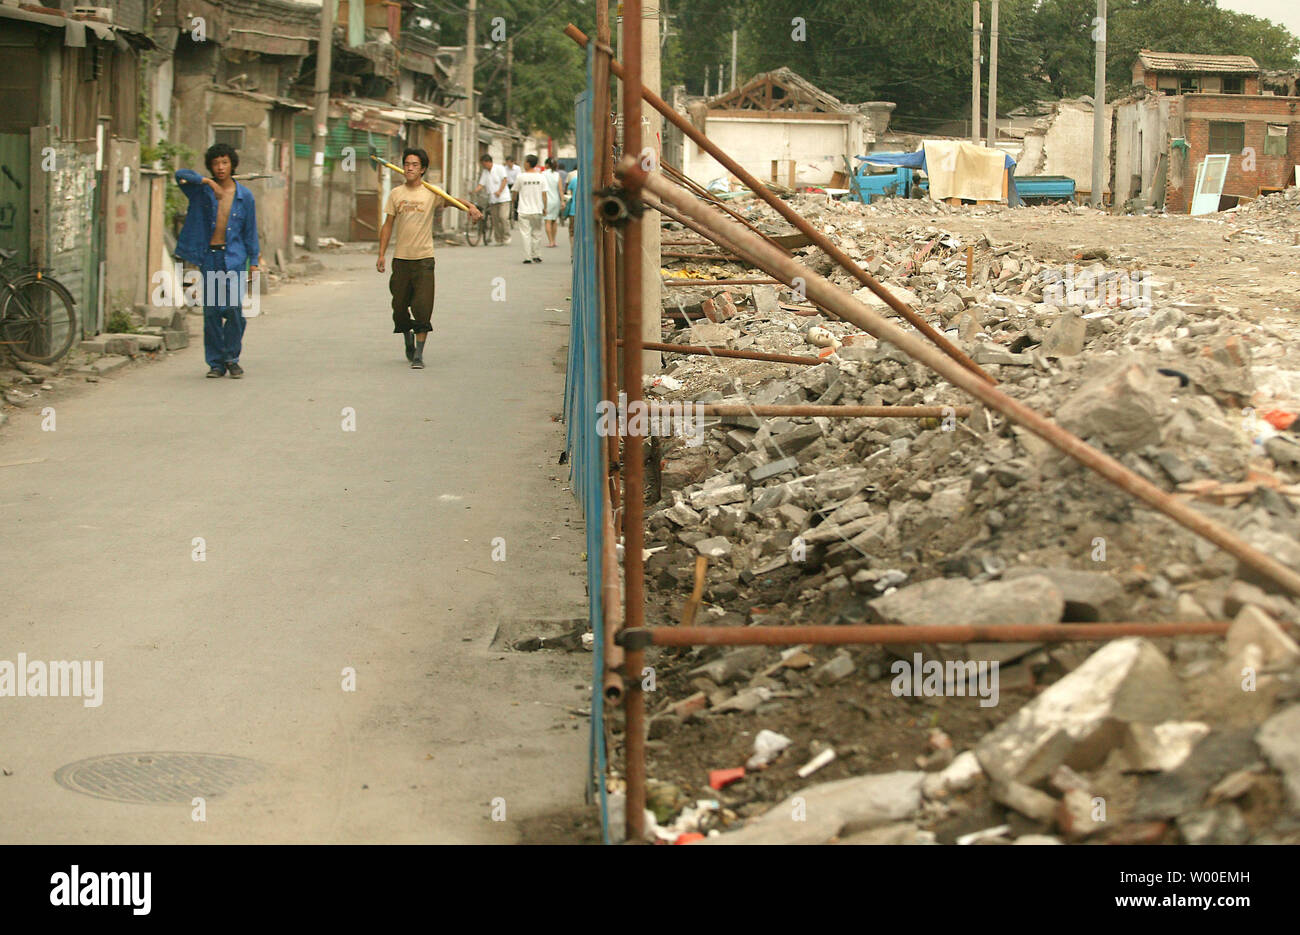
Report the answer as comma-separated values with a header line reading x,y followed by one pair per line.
x,y
38,319
473,232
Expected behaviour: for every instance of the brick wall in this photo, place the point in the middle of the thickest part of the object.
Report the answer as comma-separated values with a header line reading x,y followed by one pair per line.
x,y
1256,113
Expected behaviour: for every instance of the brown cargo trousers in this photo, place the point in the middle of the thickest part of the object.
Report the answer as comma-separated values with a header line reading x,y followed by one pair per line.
x,y
411,285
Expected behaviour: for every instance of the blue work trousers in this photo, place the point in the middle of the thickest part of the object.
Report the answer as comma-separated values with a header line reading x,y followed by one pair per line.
x,y
223,324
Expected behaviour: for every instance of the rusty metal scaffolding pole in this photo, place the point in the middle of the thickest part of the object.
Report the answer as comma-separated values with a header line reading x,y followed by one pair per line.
x,y
603,137
823,292
808,410
867,634
678,216
691,185
698,351
634,730
801,223
710,283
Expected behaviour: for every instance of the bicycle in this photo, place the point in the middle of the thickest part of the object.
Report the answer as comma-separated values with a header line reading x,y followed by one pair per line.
x,y
38,316
480,231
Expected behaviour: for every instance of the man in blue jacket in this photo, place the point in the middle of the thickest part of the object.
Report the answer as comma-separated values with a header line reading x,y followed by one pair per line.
x,y
219,236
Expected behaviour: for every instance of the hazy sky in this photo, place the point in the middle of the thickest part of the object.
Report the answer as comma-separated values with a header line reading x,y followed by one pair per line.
x,y
1283,12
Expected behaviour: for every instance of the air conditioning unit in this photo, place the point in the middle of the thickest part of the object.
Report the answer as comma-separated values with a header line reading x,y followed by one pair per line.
x,y
103,13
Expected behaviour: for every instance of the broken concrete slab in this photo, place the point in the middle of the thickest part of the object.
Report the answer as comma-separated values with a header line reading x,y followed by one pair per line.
x,y
940,601
1153,748
1078,720
717,547
1170,794
1279,738
1066,336
1090,596
1119,407
1252,625
109,364
833,809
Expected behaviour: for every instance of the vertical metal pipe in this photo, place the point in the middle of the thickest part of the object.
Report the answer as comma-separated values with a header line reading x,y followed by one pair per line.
x,y
993,77
976,26
601,175
633,445
1099,108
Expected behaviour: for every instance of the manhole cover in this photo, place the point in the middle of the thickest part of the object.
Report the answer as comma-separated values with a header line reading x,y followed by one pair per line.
x,y
157,777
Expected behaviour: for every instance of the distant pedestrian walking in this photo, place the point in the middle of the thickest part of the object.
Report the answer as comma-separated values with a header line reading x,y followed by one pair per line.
x,y
552,215
410,210
570,201
532,207
512,175
219,236
493,180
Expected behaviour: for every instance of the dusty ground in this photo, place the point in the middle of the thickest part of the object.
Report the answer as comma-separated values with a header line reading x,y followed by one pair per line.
x,y
324,549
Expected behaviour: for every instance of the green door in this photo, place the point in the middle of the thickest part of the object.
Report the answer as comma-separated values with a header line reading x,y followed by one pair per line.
x,y
15,189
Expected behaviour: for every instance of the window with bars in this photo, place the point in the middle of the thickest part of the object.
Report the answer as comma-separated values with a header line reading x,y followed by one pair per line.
x,y
1227,137
1234,85
230,135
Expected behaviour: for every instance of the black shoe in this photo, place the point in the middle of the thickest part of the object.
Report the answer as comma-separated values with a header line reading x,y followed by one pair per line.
x,y
235,370
529,261
537,259
417,360
410,344
216,372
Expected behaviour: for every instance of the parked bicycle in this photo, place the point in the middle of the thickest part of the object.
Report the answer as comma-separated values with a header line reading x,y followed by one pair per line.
x,y
38,316
481,231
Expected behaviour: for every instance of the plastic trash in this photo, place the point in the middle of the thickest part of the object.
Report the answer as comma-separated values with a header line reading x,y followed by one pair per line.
x,y
816,763
768,745
720,778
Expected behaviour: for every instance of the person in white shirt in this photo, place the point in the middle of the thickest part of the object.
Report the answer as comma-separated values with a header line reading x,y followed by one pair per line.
x,y
512,173
493,180
552,217
532,206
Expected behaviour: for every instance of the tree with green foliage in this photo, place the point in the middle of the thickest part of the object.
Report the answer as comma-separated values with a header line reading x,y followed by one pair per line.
x,y
549,68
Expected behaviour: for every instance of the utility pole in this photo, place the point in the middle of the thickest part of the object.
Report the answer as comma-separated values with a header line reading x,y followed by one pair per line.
x,y
976,27
510,67
471,112
1099,108
706,81
324,48
722,76
993,77
734,33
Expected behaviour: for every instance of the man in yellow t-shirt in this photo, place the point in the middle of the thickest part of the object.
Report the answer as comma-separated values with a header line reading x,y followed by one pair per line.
x,y
411,284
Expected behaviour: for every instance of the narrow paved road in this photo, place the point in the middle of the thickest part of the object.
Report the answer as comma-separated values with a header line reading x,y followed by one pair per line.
x,y
325,549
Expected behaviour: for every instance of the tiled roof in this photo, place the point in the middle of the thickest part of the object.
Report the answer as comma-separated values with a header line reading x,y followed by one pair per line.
x,y
1181,61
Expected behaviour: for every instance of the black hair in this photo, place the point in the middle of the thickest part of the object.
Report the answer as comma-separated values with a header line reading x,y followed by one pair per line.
x,y
419,154
221,149
531,160
550,162
486,157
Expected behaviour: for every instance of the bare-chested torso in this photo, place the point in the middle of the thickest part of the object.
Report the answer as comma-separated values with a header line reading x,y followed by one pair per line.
x,y
225,198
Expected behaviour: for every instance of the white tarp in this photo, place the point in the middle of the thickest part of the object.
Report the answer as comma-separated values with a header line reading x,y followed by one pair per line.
x,y
964,170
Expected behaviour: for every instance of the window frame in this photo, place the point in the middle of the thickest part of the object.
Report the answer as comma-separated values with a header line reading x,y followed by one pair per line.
x,y
1221,124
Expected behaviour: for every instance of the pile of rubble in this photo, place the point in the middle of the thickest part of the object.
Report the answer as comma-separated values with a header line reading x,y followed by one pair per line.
x,y
970,519
1275,216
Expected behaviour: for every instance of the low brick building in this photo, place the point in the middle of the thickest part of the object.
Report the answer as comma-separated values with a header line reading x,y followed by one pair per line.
x,y
1261,134
1163,133
1181,73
